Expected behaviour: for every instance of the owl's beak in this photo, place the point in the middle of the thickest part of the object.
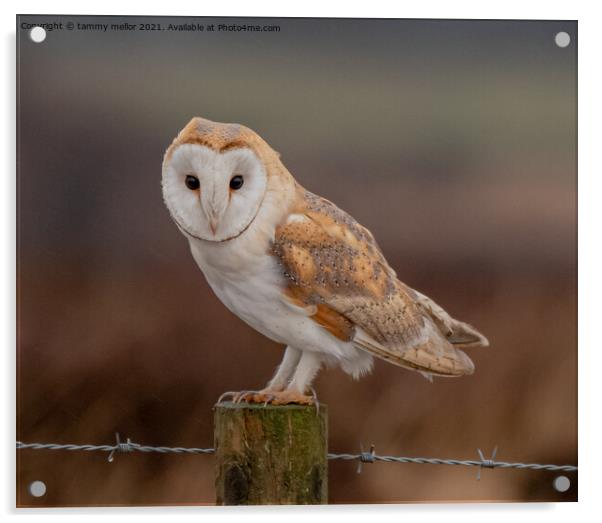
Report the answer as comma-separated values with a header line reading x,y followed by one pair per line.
x,y
213,225
211,209
213,217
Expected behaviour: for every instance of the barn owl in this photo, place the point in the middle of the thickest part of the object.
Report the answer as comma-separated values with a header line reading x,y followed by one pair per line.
x,y
297,268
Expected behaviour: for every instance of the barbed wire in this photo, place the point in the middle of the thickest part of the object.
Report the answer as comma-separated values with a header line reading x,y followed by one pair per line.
x,y
128,446
361,458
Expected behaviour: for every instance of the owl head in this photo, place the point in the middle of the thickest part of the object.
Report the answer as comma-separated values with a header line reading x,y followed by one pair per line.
x,y
215,178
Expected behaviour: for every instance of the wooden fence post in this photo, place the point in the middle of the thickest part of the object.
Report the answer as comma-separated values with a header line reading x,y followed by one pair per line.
x,y
270,455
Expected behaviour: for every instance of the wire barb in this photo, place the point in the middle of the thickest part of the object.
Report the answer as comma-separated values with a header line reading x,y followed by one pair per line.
x,y
486,463
120,447
365,457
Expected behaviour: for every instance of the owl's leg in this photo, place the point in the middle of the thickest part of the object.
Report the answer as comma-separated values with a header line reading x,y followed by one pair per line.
x,y
284,371
306,371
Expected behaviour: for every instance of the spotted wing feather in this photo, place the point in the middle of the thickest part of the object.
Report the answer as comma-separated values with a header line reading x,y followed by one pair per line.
x,y
337,272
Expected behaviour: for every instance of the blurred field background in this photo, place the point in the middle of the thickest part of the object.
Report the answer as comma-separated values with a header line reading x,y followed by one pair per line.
x,y
453,141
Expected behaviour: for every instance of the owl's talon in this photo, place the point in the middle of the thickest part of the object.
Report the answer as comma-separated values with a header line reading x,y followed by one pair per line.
x,y
243,394
225,395
269,397
314,395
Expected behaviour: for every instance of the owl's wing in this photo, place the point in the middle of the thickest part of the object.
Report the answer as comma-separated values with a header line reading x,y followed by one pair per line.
x,y
338,275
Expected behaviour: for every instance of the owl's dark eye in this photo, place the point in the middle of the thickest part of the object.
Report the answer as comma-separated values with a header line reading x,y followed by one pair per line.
x,y
192,182
236,182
